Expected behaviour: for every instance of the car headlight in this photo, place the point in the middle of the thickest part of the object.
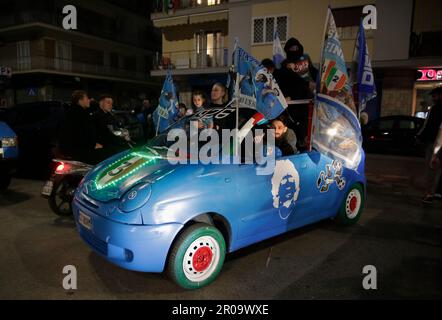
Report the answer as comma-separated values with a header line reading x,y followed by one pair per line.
x,y
136,197
9,142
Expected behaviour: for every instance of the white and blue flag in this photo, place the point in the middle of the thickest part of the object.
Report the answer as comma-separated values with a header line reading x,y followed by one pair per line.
x,y
361,75
167,109
257,87
278,52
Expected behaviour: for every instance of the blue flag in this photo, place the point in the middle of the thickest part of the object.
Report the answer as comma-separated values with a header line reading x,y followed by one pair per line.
x,y
257,87
278,52
362,76
167,109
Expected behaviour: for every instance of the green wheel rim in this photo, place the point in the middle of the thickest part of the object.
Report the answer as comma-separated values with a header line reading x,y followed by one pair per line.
x,y
198,258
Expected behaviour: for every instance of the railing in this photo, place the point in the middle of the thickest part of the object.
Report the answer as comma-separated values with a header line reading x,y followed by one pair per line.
x,y
69,66
212,58
102,29
183,4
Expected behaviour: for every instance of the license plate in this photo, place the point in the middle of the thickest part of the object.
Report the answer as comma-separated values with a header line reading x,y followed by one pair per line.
x,y
85,220
47,188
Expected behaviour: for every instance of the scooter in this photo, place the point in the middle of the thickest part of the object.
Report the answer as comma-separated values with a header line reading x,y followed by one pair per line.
x,y
67,175
60,188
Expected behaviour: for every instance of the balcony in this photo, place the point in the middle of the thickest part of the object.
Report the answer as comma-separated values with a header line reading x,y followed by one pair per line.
x,y
190,4
192,62
74,68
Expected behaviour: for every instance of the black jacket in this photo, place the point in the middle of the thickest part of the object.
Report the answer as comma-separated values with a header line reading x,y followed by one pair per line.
x,y
78,136
430,129
103,122
291,84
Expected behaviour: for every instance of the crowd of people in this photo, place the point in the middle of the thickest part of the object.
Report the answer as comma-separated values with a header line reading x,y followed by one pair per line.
x,y
88,136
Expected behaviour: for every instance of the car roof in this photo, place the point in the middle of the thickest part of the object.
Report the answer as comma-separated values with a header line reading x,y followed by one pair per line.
x,y
397,117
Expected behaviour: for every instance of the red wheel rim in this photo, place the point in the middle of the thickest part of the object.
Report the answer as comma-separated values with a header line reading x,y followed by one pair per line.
x,y
202,258
353,204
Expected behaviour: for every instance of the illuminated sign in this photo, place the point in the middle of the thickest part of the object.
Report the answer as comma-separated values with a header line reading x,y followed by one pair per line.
x,y
429,75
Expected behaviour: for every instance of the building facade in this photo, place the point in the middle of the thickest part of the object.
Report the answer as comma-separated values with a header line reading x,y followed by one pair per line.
x,y
112,51
198,39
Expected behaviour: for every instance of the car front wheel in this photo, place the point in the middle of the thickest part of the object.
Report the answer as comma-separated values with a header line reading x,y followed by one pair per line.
x,y
197,256
352,206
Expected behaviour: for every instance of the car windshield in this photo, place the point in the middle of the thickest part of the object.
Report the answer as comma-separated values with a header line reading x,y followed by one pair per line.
x,y
222,118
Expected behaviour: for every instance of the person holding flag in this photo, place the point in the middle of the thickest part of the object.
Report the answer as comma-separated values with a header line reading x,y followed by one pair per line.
x,y
256,86
297,75
337,131
167,109
361,75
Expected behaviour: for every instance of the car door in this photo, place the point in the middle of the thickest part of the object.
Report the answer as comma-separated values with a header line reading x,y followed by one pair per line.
x,y
279,201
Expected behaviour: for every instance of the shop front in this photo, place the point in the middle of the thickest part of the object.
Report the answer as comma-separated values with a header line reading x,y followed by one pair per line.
x,y
426,80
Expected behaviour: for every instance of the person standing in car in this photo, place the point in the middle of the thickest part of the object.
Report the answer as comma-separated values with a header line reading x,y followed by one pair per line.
x,y
297,75
78,137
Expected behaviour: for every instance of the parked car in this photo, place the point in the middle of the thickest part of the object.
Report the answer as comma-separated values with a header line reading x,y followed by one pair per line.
x,y
37,126
143,213
8,154
393,135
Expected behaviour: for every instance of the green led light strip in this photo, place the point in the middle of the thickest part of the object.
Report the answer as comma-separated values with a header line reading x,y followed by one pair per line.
x,y
115,164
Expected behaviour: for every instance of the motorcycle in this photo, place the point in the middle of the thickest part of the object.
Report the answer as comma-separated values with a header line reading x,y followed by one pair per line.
x,y
67,175
60,188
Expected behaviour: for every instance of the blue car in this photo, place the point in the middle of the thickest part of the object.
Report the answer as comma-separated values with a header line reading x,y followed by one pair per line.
x,y
8,154
143,213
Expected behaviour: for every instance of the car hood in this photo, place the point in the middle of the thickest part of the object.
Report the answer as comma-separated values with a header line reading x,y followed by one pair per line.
x,y
112,178
5,131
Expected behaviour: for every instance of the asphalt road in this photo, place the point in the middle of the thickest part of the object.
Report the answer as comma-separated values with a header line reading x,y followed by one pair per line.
x,y
396,234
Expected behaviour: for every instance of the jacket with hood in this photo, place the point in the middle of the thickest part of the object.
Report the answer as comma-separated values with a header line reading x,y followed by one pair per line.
x,y
296,72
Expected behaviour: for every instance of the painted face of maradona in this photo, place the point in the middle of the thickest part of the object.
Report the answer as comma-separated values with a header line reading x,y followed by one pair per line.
x,y
287,189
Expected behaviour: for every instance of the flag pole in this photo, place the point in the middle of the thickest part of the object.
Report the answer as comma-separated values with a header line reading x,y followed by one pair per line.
x,y
235,63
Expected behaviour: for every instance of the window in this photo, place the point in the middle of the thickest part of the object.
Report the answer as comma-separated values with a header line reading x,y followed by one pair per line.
x,y
407,124
264,28
386,124
63,55
209,49
24,55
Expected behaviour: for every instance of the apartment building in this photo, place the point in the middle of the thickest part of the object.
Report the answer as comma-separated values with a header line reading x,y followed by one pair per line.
x,y
198,38
111,51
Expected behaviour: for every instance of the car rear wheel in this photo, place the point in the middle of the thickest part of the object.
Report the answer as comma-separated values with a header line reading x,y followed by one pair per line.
x,y
197,256
352,206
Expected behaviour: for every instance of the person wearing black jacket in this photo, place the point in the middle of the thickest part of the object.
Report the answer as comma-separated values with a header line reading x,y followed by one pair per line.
x,y
105,124
428,135
78,136
297,75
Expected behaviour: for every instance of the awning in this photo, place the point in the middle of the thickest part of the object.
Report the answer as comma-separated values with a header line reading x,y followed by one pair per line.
x,y
170,22
209,17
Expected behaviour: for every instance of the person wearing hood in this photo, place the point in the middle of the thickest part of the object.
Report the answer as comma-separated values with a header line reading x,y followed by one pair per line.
x,y
297,76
